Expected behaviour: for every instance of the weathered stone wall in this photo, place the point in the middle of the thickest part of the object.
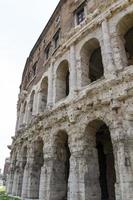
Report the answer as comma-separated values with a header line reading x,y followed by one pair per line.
x,y
67,139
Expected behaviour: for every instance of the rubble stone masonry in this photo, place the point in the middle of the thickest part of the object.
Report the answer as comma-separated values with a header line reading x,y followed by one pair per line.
x,y
74,130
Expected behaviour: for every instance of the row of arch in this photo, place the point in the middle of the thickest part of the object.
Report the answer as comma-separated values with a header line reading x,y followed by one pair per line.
x,y
92,66
100,175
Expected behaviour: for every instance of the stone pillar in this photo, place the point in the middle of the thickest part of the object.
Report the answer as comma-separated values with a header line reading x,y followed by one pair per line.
x,y
73,71
25,118
45,180
17,121
109,67
35,102
27,173
52,181
11,175
84,176
39,102
20,120
50,86
25,181
31,177
123,148
15,180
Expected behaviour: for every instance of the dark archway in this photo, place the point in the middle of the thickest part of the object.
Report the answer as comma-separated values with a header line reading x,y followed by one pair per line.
x,y
107,177
129,45
43,94
103,177
125,31
62,80
91,62
96,65
62,163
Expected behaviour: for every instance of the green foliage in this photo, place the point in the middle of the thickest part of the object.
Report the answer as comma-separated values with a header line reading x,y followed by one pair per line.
x,y
4,196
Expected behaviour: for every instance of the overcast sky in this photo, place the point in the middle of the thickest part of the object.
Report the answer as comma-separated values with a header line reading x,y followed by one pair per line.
x,y
21,23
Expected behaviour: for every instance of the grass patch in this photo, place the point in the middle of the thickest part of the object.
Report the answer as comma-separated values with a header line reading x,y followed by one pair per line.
x,y
4,196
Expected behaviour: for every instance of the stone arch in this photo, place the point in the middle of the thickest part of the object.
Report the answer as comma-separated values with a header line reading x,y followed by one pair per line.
x,y
91,61
30,105
37,163
62,80
125,31
62,164
43,93
101,170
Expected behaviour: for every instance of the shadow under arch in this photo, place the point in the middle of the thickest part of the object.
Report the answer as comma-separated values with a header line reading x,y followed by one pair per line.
x,y
91,61
62,80
101,170
125,31
62,163
43,94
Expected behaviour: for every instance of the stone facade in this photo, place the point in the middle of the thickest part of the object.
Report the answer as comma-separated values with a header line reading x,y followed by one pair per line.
x,y
6,171
74,130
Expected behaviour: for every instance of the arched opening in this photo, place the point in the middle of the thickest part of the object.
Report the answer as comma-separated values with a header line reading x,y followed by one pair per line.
x,y
91,62
125,29
103,177
129,45
62,80
62,163
30,107
43,94
38,160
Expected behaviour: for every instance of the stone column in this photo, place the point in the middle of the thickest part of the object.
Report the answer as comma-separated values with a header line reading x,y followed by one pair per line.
x,y
27,172
39,102
123,148
24,193
73,71
109,67
84,176
35,102
10,178
30,188
25,119
15,180
52,181
11,175
20,120
50,86
17,121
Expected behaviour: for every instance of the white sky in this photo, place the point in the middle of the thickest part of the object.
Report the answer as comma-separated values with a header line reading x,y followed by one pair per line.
x,y
21,23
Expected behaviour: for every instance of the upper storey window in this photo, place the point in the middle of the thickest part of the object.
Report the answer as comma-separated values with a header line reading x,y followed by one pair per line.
x,y
80,14
47,51
56,39
34,69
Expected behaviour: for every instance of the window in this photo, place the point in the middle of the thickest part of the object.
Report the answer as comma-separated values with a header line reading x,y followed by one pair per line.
x,y
57,21
56,39
34,69
47,51
80,15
